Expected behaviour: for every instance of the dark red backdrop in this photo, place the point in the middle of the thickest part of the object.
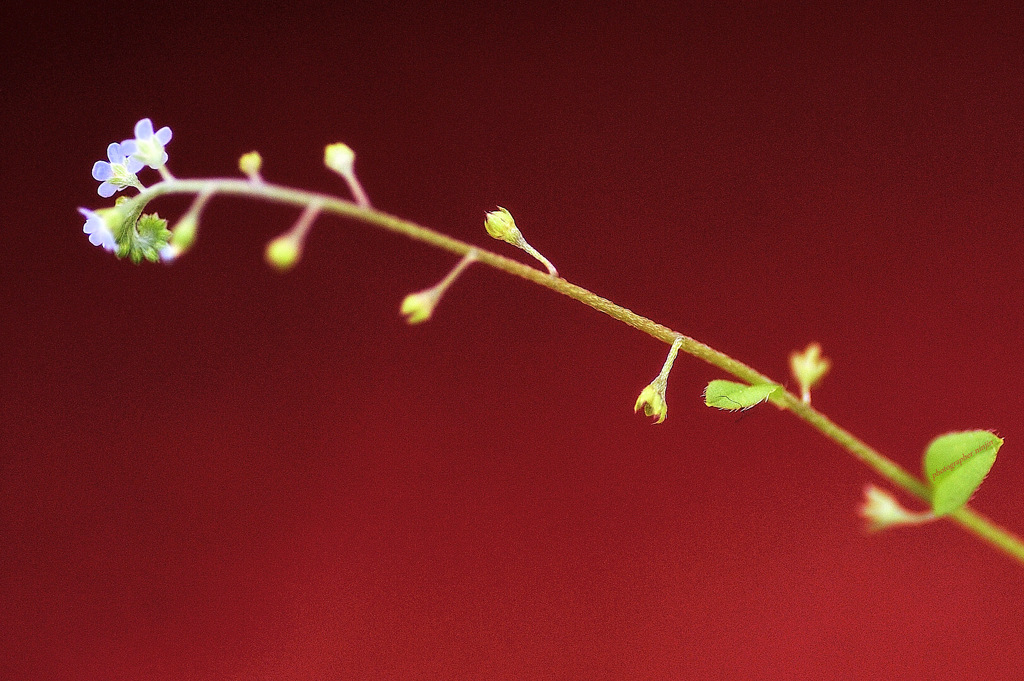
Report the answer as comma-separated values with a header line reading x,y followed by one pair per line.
x,y
212,471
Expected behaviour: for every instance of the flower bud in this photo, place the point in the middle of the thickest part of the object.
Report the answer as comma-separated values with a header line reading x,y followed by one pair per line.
x,y
501,225
250,164
652,398
340,158
283,252
183,235
881,510
808,368
417,307
652,401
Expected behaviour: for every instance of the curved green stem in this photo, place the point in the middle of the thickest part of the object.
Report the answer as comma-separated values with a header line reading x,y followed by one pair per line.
x,y
968,518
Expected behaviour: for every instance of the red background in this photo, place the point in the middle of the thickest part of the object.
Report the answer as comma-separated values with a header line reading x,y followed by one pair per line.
x,y
213,471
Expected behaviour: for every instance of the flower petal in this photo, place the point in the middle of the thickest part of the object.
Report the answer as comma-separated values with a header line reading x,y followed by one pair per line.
x,y
101,171
114,153
97,229
144,129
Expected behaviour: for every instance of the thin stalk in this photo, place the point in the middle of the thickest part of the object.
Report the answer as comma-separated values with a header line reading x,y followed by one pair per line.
x,y
971,520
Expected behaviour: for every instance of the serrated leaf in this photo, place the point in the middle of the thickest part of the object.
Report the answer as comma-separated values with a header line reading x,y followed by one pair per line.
x,y
733,396
955,464
146,240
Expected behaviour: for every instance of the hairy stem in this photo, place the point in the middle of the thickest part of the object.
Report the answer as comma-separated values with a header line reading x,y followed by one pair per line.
x,y
968,518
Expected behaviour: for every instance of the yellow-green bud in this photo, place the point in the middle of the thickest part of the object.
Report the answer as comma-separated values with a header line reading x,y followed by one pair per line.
x,y
251,163
417,307
808,368
652,401
501,225
283,252
340,158
184,233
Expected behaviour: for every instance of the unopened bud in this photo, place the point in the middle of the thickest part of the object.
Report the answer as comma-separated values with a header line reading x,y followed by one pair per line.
x,y
184,233
340,158
808,368
501,225
283,252
417,307
882,511
250,164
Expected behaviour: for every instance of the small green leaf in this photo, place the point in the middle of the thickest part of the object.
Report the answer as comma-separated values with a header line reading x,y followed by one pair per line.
x,y
144,239
731,395
955,465
153,235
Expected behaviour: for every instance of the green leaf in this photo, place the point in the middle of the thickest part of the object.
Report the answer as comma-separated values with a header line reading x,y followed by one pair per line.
x,y
955,465
151,235
731,395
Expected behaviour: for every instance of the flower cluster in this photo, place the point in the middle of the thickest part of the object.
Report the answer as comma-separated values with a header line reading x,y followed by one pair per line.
x,y
123,230
129,157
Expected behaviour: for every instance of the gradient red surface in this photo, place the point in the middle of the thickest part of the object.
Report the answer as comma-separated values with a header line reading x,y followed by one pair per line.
x,y
213,471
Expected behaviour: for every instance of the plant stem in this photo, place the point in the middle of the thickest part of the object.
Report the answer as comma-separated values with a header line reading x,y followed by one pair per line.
x,y
968,518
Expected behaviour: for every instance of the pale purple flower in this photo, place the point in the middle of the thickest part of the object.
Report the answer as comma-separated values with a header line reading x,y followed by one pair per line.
x,y
119,172
149,145
169,253
98,230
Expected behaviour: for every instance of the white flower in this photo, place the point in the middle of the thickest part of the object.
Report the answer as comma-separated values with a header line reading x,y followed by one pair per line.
x,y
119,172
98,227
149,145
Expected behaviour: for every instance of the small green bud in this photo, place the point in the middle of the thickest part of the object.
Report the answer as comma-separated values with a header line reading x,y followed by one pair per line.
x,y
283,252
183,235
250,164
652,398
418,307
501,225
340,158
652,401
808,368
